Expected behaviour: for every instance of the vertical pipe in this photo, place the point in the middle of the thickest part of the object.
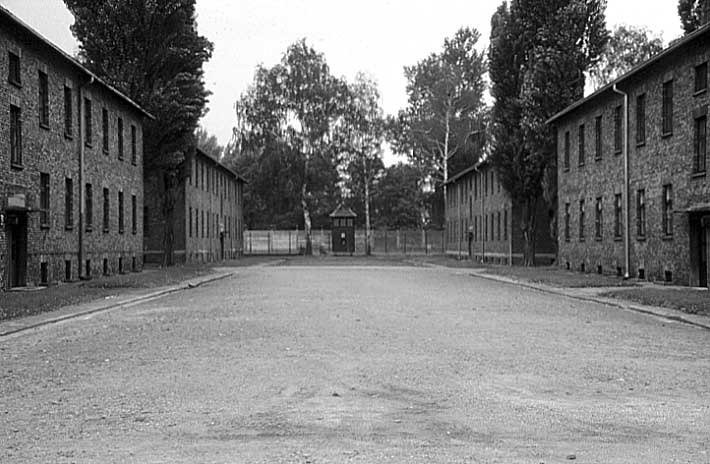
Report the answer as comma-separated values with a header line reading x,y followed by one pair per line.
x,y
627,250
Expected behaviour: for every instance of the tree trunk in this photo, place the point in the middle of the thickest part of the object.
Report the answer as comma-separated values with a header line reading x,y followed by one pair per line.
x,y
446,172
529,230
306,219
368,244
169,200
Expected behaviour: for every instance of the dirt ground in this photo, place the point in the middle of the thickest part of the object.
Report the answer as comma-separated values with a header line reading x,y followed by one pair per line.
x,y
357,364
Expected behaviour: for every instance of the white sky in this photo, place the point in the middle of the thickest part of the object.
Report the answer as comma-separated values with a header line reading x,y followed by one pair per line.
x,y
378,37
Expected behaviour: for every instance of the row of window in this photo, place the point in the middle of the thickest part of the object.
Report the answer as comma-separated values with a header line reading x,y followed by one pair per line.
x,y
44,208
700,123
483,184
68,274
202,221
14,78
666,216
487,227
211,180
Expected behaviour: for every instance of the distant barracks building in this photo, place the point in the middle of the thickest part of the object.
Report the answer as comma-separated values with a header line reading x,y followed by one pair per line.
x,y
71,177
633,189
209,215
483,223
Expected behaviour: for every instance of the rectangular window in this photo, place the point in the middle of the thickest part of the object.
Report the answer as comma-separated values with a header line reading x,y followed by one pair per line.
x,y
618,128
197,223
15,136
701,77
667,210
134,152
667,110
146,221
485,227
14,74
104,121
581,219
598,138
120,138
44,200
43,100
581,144
89,204
107,204
641,213
68,112
120,212
505,224
498,220
134,215
68,203
567,222
88,129
700,144
641,119
567,150
598,219
617,215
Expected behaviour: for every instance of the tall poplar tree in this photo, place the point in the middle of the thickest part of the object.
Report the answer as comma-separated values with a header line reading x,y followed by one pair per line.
x,y
151,51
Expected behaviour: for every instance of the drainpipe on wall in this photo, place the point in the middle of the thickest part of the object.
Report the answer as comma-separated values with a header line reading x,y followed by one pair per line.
x,y
627,251
82,205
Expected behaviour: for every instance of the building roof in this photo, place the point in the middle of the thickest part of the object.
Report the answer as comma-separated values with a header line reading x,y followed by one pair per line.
x,y
219,164
468,170
342,212
670,51
7,15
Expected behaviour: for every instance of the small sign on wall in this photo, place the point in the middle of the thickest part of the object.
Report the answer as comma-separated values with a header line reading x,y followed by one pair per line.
x,y
17,201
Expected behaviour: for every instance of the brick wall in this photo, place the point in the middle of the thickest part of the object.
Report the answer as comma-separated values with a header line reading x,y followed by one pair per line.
x,y
47,148
654,161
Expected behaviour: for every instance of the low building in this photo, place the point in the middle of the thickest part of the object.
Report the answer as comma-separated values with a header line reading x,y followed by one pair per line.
x,y
483,223
633,191
71,166
208,214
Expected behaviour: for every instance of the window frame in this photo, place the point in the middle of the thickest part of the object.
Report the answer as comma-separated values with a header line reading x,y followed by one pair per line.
x,y
598,219
582,144
667,109
43,97
88,125
68,112
567,150
105,130
667,210
618,213
68,203
44,200
701,78
121,215
641,213
582,218
14,68
15,136
598,142
568,230
618,129
134,215
89,206
700,145
106,211
134,145
641,119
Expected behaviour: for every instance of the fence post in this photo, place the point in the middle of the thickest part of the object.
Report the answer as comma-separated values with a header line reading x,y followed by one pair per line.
x,y
443,241
268,242
405,242
289,241
385,241
426,242
250,250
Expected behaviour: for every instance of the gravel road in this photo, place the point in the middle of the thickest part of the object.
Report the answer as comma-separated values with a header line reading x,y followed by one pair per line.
x,y
361,364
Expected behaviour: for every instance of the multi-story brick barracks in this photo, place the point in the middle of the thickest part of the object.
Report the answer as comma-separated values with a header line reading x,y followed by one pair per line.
x,y
633,191
483,223
209,216
70,166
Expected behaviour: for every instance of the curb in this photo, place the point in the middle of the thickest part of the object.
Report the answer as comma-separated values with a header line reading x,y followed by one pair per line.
x,y
648,310
187,285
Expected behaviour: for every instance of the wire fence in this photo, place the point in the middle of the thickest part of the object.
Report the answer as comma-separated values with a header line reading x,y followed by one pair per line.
x,y
293,242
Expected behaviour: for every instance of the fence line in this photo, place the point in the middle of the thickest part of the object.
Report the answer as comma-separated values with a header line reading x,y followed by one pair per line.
x,y
293,242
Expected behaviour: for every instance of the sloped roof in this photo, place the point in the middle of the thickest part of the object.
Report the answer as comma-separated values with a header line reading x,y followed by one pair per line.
x,y
7,15
342,212
219,164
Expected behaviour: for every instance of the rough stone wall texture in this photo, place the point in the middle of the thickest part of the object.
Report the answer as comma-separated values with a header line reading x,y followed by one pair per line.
x,y
47,149
478,202
660,160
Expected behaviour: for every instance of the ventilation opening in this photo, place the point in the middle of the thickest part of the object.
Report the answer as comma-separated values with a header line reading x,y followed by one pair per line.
x,y
599,269
642,273
105,266
133,264
668,276
67,270
120,265
567,265
88,269
618,271
582,267
43,273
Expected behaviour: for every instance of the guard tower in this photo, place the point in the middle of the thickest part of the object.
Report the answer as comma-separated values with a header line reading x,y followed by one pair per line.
x,y
343,230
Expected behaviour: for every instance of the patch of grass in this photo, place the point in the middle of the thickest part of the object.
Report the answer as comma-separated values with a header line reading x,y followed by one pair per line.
x,y
557,277
688,300
35,301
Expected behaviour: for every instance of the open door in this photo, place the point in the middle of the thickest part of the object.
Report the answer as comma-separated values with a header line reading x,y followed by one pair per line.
x,y
17,242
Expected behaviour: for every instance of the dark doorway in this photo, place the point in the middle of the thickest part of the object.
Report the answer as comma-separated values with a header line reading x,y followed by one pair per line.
x,y
17,241
702,255
221,246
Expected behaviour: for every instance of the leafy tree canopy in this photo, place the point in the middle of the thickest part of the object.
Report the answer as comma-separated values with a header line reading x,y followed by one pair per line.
x,y
692,15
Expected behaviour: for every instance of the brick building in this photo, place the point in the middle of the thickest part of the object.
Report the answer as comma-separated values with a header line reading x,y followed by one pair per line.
x,y
483,223
209,218
70,166
632,186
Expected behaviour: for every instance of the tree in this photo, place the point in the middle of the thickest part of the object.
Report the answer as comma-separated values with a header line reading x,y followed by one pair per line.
x,y
399,201
445,106
539,52
293,111
208,143
693,14
151,51
363,131
628,46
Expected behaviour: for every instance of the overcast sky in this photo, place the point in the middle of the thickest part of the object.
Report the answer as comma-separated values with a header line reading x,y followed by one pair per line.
x,y
378,37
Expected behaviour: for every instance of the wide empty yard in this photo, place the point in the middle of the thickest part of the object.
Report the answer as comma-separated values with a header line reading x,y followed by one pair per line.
x,y
357,364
